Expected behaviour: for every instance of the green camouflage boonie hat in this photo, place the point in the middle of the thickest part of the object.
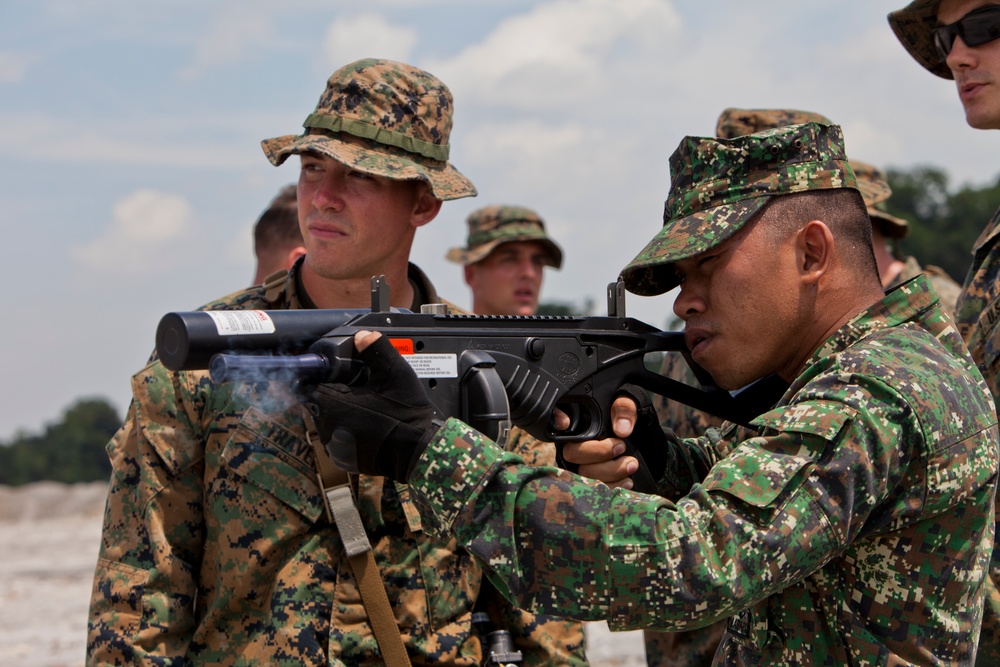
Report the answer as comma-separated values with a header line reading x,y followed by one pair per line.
x,y
875,190
492,225
384,118
717,185
735,122
913,25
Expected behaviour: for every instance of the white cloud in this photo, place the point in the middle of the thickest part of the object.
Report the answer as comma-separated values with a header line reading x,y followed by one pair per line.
x,y
561,52
367,36
147,232
13,66
233,35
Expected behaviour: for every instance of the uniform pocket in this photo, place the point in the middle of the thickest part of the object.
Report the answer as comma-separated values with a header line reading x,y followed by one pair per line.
x,y
115,612
276,461
763,471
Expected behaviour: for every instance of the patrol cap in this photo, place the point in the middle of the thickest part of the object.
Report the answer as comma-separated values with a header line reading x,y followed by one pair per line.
x,y
384,118
913,25
717,185
875,191
734,122
491,226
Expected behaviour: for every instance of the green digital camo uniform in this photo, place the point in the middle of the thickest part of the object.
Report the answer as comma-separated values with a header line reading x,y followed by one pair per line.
x,y
696,648
852,526
977,311
216,547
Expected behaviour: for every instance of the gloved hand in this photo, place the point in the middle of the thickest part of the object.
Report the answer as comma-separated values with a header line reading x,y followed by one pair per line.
x,y
381,427
664,460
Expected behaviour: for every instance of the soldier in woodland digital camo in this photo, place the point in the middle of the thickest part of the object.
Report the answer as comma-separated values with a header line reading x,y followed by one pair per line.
x,y
506,252
960,40
217,548
850,524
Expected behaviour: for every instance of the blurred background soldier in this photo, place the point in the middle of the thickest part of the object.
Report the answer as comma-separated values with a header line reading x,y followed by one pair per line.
x,y
506,253
277,239
888,230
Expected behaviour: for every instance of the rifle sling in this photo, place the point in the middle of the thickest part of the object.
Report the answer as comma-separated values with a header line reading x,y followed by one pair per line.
x,y
343,511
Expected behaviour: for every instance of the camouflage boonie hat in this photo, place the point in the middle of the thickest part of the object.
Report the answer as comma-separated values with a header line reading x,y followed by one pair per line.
x,y
875,190
492,225
384,118
717,185
735,122
913,25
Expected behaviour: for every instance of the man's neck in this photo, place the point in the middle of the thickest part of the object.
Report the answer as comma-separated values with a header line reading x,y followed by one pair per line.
x,y
355,292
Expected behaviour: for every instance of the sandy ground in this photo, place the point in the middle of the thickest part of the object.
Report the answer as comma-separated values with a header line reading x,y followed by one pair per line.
x,y
49,536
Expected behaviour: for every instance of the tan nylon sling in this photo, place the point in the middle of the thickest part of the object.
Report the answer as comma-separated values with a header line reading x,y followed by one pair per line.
x,y
342,510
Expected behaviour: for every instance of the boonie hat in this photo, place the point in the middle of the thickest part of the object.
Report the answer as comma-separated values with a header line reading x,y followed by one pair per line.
x,y
717,185
734,122
384,118
913,25
875,191
492,225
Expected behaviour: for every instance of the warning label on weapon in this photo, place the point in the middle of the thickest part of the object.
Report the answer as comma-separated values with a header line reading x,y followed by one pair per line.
x,y
433,365
238,322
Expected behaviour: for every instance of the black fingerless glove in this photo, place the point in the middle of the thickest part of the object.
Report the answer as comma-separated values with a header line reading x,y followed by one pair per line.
x,y
379,428
665,465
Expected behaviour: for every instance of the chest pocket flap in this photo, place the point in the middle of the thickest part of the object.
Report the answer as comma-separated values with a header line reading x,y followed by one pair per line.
x,y
277,461
760,469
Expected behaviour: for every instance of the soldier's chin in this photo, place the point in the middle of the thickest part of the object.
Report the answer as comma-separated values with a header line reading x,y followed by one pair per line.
x,y
982,119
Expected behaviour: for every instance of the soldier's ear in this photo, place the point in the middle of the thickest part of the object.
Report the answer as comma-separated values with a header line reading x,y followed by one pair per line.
x,y
425,207
293,255
814,250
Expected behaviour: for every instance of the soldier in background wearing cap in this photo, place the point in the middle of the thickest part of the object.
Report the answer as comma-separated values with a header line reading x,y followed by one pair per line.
x,y
960,40
850,524
505,254
277,239
217,547
504,257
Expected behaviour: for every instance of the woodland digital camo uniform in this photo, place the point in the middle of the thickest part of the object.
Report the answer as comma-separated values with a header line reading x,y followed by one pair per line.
x,y
216,547
977,312
852,526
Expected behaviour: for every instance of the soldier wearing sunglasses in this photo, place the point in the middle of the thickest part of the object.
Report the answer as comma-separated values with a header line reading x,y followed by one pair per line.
x,y
960,40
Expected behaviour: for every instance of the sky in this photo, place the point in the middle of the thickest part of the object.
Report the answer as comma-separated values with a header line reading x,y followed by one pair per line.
x,y
131,171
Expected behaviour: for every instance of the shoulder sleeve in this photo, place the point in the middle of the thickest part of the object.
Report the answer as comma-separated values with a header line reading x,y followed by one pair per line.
x,y
144,588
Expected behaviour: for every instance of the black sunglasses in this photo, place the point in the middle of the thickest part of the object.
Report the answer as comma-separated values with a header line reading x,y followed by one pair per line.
x,y
976,28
